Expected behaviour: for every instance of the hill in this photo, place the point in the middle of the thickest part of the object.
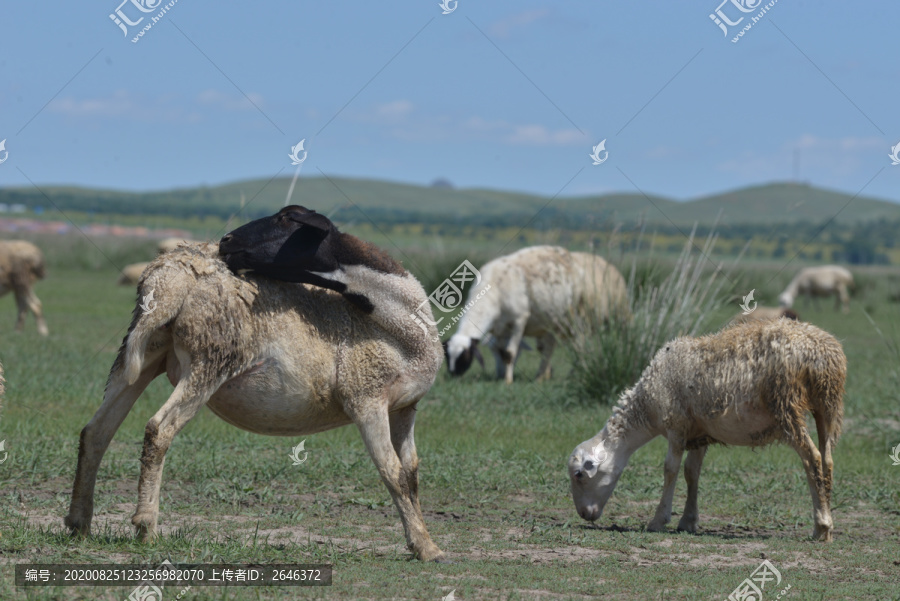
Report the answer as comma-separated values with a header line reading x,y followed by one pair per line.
x,y
389,202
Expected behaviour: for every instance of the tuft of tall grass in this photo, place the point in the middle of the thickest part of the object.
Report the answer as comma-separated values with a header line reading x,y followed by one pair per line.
x,y
609,355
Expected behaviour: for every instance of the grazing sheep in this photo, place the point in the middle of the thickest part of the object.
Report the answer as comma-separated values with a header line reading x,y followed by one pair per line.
x,y
21,265
820,281
131,274
765,313
271,357
749,385
167,244
533,292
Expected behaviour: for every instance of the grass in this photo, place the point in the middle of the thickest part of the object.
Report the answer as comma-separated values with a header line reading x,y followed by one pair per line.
x,y
608,355
492,480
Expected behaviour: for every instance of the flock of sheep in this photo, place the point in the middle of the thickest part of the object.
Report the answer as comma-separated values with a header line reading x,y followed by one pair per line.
x,y
289,327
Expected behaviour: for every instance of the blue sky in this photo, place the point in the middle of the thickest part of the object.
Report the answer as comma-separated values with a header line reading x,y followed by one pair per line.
x,y
506,95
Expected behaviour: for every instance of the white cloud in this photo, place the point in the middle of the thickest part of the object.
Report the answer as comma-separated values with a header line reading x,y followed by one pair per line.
x,y
397,109
505,27
229,102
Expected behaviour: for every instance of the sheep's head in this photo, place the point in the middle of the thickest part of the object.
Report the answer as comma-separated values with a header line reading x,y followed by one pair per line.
x,y
786,300
291,246
459,351
593,474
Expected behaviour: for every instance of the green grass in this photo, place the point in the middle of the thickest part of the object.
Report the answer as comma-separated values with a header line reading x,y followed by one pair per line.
x,y
493,482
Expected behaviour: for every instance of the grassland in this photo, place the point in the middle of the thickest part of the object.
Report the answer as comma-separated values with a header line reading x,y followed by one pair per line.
x,y
492,476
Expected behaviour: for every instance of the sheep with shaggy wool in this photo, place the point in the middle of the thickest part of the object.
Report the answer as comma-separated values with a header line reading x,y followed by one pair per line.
x,y
533,292
749,385
273,357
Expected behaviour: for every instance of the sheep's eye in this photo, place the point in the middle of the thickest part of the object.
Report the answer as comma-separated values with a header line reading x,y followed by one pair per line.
x,y
589,465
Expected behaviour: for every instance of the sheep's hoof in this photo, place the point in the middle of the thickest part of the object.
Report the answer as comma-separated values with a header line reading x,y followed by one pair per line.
x,y
822,533
689,526
144,528
432,554
78,526
656,526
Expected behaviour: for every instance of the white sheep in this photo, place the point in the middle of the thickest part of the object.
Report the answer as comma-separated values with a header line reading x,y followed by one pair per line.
x,y
765,313
277,358
131,274
748,385
21,265
533,292
167,244
820,281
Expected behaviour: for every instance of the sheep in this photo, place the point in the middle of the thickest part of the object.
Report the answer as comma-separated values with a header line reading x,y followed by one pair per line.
x,y
533,292
167,244
131,274
273,357
820,281
765,313
21,264
750,385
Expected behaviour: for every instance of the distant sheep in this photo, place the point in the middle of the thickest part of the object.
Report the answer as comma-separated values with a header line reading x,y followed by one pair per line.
x,y
748,385
765,313
167,244
21,265
131,274
820,281
533,292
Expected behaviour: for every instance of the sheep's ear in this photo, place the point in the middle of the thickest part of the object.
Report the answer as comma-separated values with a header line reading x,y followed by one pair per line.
x,y
304,216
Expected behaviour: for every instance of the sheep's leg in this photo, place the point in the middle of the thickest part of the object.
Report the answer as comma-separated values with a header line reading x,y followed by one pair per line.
x,y
817,478
183,404
96,436
402,424
826,442
511,350
34,303
496,344
692,465
842,299
22,306
546,344
673,462
376,428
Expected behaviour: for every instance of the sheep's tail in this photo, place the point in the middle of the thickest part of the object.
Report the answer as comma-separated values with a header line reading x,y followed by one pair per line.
x,y
828,389
157,305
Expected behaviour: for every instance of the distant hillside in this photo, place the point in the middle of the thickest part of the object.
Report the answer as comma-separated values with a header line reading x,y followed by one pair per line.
x,y
388,202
